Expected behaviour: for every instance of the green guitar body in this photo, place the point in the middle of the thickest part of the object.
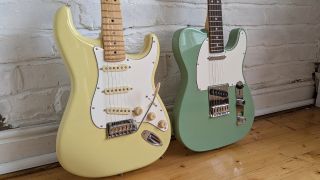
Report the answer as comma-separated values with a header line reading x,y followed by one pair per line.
x,y
192,124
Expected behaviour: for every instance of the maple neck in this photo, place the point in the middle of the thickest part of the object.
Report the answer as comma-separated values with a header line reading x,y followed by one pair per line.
x,y
215,26
112,31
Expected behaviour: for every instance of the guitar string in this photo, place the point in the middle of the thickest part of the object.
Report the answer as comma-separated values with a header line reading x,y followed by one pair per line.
x,y
120,79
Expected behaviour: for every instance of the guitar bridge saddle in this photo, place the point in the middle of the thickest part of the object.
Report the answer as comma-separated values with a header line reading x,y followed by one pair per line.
x,y
121,128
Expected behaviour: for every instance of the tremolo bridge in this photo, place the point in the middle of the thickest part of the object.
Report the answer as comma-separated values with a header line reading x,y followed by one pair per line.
x,y
121,128
218,100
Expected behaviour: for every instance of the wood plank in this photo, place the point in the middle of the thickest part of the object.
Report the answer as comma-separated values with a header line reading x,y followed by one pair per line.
x,y
285,146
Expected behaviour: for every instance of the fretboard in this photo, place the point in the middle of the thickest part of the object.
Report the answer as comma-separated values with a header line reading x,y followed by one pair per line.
x,y
215,34
112,31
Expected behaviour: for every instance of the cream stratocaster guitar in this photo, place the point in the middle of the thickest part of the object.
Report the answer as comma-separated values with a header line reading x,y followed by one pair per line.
x,y
214,107
114,121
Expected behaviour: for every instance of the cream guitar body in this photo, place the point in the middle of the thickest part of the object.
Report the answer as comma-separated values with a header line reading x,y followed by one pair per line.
x,y
114,121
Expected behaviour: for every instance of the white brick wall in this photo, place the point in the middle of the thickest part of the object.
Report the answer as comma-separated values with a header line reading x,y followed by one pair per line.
x,y
282,46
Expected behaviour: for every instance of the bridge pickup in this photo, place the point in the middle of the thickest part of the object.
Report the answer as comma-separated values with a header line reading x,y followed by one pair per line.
x,y
118,111
218,100
115,68
121,128
117,90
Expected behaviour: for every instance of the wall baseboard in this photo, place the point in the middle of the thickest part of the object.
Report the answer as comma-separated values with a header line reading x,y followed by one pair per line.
x,y
28,163
25,148
284,107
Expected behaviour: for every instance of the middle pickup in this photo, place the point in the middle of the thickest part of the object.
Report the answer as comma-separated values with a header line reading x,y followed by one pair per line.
x,y
117,90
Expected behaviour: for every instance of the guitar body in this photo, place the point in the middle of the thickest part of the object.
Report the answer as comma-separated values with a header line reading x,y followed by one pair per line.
x,y
83,147
192,123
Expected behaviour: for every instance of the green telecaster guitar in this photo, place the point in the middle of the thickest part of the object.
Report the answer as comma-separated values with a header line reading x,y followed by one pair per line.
x,y
214,107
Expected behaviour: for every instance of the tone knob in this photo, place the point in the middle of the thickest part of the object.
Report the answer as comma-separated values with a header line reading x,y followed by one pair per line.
x,y
137,111
162,124
151,116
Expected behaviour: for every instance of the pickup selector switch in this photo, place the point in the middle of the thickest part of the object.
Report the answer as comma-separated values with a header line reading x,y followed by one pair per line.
x,y
151,116
137,111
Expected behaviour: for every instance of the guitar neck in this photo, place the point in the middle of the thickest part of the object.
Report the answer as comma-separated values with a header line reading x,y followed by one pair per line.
x,y
215,26
112,31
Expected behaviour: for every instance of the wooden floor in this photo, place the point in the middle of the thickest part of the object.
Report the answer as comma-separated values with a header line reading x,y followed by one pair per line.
x,y
283,146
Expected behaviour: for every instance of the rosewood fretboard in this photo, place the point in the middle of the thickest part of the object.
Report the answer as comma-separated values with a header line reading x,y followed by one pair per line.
x,y
112,31
215,28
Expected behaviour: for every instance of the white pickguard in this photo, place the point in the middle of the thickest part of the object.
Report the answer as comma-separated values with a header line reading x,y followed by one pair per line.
x,y
224,71
139,77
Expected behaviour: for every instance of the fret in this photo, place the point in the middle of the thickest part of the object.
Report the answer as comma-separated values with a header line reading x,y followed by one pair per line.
x,y
215,13
220,45
111,37
115,58
112,21
215,19
217,48
216,23
215,28
217,51
114,51
112,27
111,11
217,42
214,33
112,31
110,2
110,7
106,14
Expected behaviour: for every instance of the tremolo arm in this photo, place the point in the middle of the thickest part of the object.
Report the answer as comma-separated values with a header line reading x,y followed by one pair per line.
x,y
156,91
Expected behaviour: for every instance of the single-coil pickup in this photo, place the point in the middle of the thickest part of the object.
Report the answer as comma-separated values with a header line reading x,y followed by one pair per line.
x,y
117,90
115,68
118,111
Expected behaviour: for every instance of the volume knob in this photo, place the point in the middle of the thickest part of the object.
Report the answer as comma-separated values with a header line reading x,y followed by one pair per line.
x,y
137,111
151,116
162,124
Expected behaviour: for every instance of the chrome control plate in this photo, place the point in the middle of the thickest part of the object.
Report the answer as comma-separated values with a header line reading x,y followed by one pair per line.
x,y
240,104
218,100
